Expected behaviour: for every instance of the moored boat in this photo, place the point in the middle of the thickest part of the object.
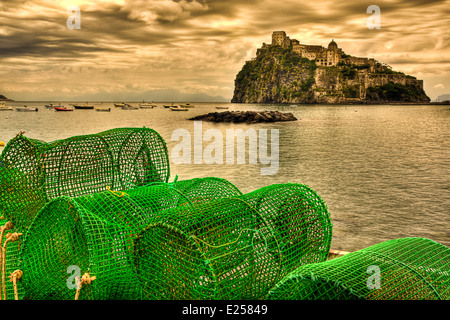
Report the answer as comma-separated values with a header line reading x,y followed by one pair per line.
x,y
27,109
119,105
178,108
222,107
62,109
147,106
5,108
100,109
83,106
129,107
187,105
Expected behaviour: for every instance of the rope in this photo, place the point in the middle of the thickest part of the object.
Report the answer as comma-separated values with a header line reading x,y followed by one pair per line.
x,y
9,238
7,226
234,241
16,275
116,193
85,279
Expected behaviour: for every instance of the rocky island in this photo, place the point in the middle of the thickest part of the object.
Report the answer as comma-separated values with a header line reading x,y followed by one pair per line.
x,y
246,116
287,71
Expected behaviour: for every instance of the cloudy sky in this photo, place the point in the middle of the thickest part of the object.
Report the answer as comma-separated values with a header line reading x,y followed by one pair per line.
x,y
127,49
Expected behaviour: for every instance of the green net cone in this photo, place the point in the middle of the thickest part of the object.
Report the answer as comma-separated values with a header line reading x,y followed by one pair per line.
x,y
408,269
232,248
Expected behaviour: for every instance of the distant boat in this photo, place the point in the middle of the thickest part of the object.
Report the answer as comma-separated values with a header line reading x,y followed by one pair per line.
x,y
5,108
62,109
99,109
83,106
119,105
178,108
27,109
187,105
169,106
222,107
49,106
129,107
147,106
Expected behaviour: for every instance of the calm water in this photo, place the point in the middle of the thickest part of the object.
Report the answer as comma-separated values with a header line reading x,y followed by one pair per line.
x,y
384,171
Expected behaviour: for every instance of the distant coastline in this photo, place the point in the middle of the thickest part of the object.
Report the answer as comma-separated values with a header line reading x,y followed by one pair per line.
x,y
3,98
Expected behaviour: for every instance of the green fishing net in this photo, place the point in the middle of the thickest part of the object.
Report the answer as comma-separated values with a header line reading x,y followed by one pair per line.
x,y
33,172
94,234
399,269
232,248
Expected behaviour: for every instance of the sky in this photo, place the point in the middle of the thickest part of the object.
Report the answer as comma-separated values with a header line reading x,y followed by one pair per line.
x,y
145,49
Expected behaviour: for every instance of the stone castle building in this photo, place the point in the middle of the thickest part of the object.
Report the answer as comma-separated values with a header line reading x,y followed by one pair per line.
x,y
329,56
367,72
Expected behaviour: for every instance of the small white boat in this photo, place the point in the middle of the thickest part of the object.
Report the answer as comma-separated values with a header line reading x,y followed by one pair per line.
x,y
27,109
222,107
178,108
5,108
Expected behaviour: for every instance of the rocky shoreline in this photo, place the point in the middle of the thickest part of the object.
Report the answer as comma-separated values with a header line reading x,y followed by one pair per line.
x,y
246,116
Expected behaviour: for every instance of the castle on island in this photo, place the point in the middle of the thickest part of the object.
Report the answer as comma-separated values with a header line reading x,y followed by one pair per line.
x,y
337,78
329,56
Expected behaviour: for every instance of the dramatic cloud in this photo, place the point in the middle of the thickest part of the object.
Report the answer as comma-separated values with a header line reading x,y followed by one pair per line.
x,y
128,47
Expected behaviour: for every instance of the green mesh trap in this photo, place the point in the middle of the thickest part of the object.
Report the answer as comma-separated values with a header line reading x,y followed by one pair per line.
x,y
399,269
33,172
95,233
232,248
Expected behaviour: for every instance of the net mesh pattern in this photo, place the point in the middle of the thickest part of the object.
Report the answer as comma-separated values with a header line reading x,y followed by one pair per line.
x,y
232,248
33,172
94,234
398,269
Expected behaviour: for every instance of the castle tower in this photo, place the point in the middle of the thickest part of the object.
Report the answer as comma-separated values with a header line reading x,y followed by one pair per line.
x,y
278,38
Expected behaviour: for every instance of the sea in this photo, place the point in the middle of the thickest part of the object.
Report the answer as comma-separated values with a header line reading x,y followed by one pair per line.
x,y
382,170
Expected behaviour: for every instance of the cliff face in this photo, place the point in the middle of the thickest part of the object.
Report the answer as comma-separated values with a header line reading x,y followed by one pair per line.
x,y
279,75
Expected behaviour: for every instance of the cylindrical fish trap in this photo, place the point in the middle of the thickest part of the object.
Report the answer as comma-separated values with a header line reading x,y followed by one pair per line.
x,y
399,269
94,234
206,189
227,249
299,219
33,172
